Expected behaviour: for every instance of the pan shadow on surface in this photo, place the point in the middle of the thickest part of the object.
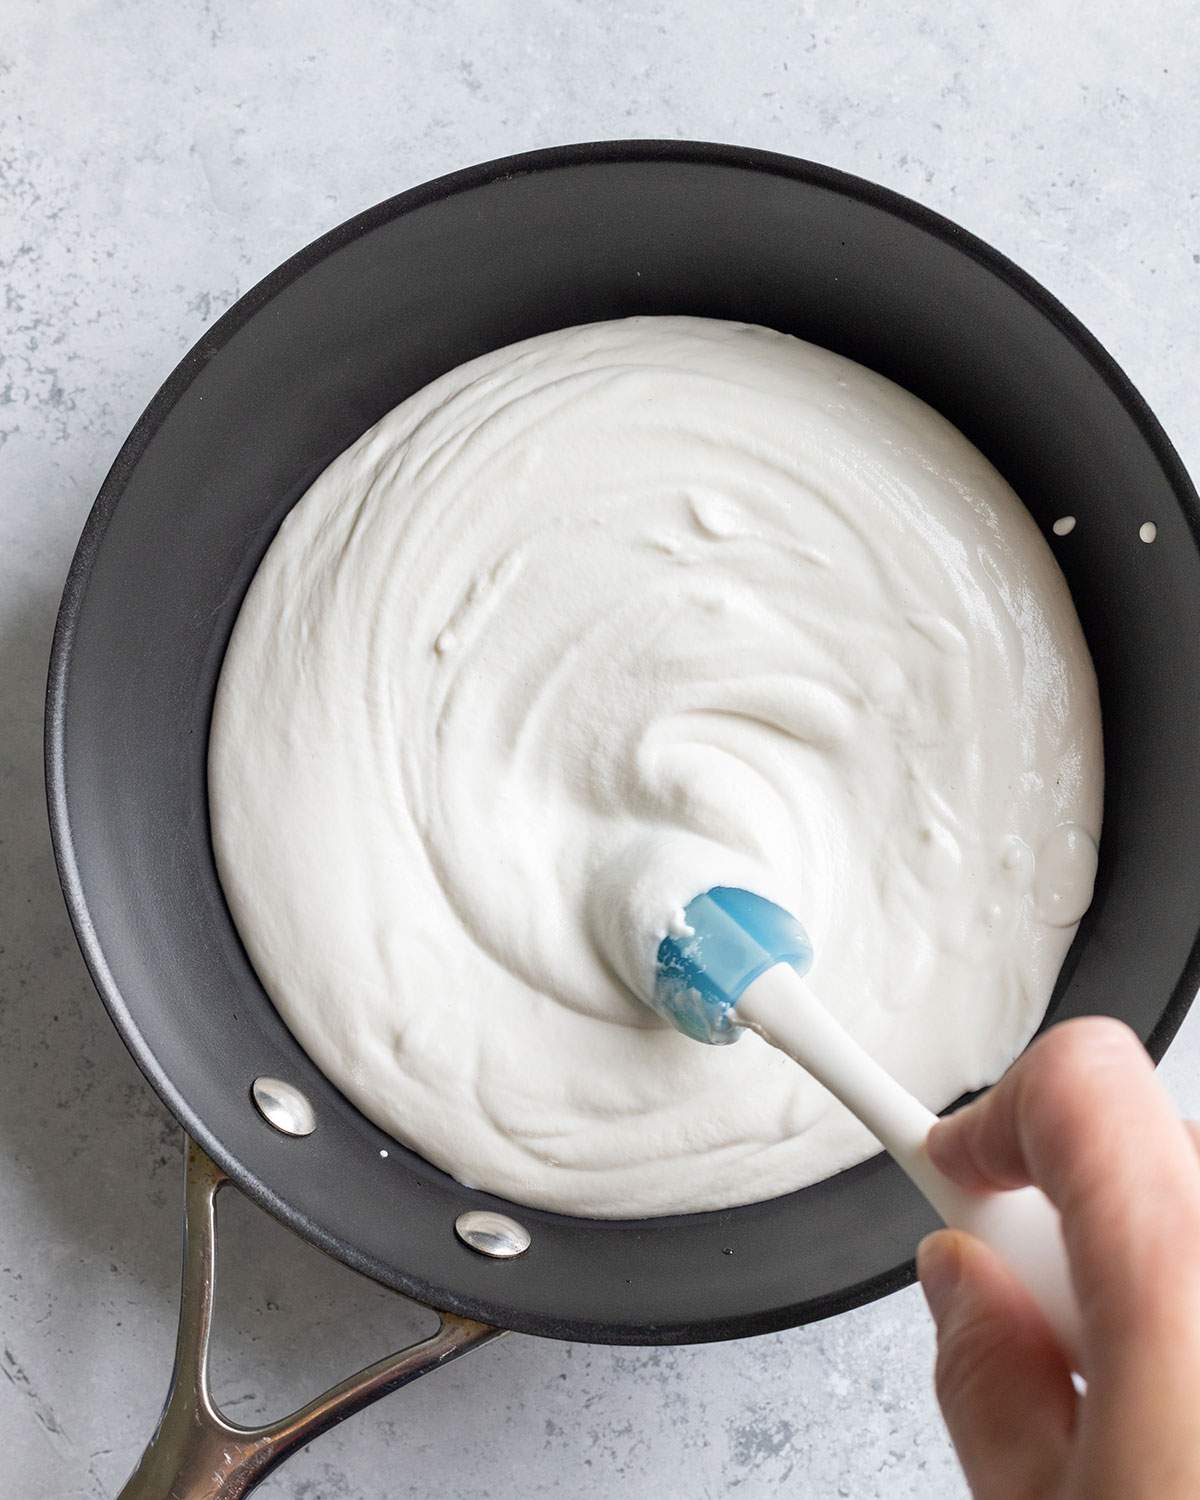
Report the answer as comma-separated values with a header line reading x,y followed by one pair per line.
x,y
90,1196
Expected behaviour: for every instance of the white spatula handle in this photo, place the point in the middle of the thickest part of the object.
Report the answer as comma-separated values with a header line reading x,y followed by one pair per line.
x,y
1022,1227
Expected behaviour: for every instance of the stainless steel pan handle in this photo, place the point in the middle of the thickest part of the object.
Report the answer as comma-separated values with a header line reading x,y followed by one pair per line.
x,y
196,1453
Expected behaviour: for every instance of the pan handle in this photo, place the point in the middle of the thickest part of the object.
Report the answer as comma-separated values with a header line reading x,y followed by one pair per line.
x,y
196,1453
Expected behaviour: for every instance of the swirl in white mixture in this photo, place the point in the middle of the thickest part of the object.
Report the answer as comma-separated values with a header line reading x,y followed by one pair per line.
x,y
588,626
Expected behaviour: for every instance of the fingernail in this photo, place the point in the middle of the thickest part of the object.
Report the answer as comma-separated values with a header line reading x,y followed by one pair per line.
x,y
939,1265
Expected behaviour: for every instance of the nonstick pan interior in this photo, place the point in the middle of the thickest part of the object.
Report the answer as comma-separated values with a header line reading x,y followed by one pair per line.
x,y
319,351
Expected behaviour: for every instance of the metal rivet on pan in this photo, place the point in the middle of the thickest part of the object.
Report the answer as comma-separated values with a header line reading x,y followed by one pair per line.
x,y
492,1234
284,1106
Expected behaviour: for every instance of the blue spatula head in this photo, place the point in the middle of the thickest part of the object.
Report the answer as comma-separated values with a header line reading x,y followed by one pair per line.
x,y
731,938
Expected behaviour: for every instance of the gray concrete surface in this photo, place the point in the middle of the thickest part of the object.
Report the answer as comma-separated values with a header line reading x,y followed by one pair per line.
x,y
155,160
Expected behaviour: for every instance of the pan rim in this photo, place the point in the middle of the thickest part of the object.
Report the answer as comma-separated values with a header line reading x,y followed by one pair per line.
x,y
546,160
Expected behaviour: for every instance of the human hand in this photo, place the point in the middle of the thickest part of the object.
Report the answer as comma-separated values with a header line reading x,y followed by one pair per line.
x,y
1082,1116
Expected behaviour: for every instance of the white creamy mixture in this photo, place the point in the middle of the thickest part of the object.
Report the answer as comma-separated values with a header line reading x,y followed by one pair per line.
x,y
586,627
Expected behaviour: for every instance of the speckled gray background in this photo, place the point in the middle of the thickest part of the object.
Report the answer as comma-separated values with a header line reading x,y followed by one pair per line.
x,y
155,160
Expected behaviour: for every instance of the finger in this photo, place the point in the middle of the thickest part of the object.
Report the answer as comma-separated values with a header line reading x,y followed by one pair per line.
x,y
1002,1383
1083,1115
1193,1129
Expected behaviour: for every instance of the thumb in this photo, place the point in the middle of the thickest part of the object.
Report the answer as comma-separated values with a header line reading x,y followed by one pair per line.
x,y
1002,1382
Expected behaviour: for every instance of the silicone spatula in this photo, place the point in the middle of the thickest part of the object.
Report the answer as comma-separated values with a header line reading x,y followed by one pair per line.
x,y
737,963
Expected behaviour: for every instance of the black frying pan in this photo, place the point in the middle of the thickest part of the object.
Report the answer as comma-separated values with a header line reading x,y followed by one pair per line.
x,y
319,351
